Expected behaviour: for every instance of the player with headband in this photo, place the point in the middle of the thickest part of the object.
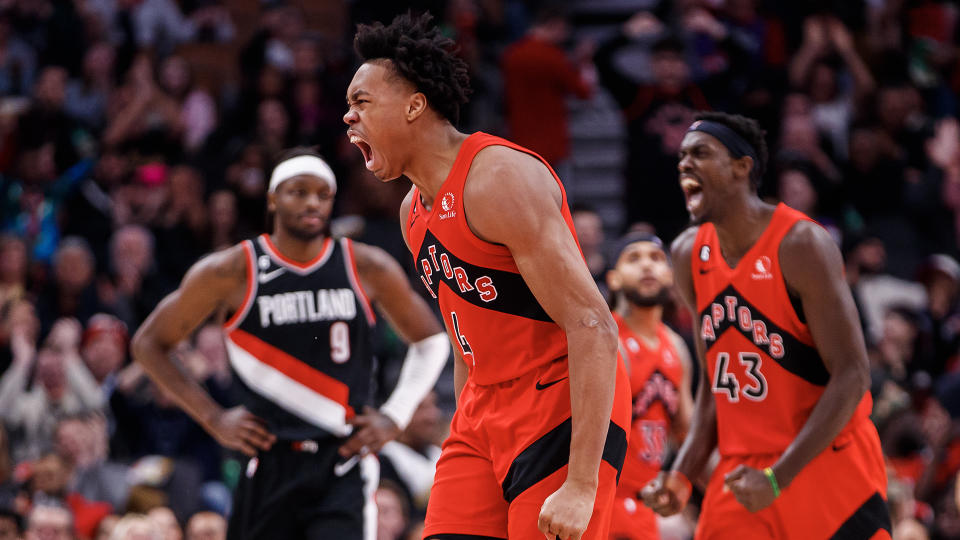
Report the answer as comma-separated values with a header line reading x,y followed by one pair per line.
x,y
300,311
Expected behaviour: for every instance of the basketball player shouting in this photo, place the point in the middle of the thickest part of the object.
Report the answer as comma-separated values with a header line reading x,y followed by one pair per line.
x,y
539,437
784,396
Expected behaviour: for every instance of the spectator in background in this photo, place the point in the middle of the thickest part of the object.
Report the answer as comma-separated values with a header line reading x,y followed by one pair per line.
x,y
49,521
13,268
165,523
206,526
393,512
81,441
834,99
106,526
50,479
138,284
104,350
141,114
538,78
224,224
181,227
198,111
87,96
63,386
8,487
11,524
135,527
19,330
657,112
589,227
18,61
72,292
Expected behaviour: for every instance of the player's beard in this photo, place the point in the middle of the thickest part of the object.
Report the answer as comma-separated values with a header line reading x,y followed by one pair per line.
x,y
659,298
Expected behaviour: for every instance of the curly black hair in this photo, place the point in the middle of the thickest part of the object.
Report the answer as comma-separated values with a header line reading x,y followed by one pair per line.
x,y
420,54
750,130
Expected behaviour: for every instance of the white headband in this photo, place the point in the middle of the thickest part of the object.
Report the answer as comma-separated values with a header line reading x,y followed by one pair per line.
x,y
296,166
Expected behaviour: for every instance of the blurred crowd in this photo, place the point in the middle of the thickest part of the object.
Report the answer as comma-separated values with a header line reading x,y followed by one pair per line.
x,y
137,135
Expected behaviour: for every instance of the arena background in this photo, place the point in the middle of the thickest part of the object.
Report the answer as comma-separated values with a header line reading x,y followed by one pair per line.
x,y
136,135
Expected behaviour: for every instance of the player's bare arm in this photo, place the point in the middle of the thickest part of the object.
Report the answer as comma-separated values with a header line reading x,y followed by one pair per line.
x,y
459,367
680,423
218,280
386,283
516,202
668,493
813,270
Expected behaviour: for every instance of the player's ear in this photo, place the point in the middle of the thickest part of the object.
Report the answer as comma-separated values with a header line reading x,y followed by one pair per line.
x,y
272,202
614,282
416,106
742,166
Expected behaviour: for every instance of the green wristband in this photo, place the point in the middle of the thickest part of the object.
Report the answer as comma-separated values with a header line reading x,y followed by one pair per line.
x,y
768,472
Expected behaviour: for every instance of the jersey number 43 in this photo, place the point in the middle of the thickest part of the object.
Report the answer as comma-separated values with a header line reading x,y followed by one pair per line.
x,y
726,383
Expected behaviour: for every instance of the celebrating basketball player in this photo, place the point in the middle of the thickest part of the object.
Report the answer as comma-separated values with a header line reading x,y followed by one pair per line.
x,y
784,395
538,438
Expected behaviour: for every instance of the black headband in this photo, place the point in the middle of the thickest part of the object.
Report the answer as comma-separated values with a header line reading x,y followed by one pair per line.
x,y
736,144
633,238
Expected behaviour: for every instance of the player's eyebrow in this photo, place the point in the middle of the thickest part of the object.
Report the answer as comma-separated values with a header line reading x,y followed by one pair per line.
x,y
357,93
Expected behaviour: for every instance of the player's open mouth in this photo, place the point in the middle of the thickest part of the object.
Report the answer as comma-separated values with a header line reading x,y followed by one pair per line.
x,y
693,192
364,147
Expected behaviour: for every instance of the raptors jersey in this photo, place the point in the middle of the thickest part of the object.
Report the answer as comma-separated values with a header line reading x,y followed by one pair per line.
x,y
656,374
299,343
764,370
501,329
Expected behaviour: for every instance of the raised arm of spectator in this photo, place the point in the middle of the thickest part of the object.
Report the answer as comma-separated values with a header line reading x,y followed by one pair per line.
x,y
815,45
65,339
13,384
621,87
839,35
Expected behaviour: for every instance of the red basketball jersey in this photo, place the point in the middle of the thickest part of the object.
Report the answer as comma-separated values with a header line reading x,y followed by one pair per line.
x,y
656,374
501,328
762,365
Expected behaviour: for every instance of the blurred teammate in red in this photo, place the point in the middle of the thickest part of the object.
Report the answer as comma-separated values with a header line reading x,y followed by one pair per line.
x,y
539,437
659,366
785,389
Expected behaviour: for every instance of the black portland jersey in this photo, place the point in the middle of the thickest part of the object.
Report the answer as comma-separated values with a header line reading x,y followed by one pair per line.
x,y
300,341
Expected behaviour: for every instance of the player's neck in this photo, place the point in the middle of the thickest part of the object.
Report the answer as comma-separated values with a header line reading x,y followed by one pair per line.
x,y
741,225
295,248
642,320
429,167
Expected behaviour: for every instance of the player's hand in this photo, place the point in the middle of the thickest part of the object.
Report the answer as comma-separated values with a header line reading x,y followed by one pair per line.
x,y
667,494
750,486
371,430
566,513
239,429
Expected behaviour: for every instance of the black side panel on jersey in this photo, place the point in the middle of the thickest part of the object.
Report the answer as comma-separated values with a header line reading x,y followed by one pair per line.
x,y
799,358
512,294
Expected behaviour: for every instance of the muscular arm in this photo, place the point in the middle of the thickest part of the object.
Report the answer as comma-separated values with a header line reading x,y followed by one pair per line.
x,y
209,284
516,202
702,437
813,269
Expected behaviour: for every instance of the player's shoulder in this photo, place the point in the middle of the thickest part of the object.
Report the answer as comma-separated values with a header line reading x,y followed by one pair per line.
x,y
225,267
506,169
682,246
406,204
807,243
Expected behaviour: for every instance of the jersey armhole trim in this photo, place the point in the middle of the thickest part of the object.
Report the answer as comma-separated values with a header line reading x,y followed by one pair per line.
x,y
238,316
354,278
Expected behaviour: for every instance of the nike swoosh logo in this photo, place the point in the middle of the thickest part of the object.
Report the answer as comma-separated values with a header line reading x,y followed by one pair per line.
x,y
705,271
343,468
265,277
549,384
839,447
